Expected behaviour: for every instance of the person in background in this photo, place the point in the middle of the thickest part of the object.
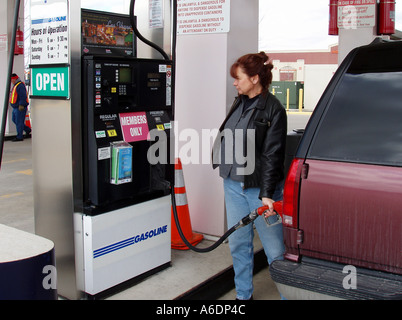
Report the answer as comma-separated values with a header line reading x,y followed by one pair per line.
x,y
19,102
257,181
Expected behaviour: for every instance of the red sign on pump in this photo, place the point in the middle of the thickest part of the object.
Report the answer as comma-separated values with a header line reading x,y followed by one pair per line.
x,y
134,126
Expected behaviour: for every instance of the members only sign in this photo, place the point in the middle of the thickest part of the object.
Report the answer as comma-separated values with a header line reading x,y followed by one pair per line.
x,y
134,126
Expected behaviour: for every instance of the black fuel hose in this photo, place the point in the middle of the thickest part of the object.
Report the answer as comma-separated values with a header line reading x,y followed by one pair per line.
x,y
139,35
8,79
188,244
243,222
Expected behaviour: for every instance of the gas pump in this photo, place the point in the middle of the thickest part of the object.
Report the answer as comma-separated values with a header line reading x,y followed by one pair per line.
x,y
124,99
125,218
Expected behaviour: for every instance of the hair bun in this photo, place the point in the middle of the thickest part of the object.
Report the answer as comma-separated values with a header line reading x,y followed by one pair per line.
x,y
267,61
255,64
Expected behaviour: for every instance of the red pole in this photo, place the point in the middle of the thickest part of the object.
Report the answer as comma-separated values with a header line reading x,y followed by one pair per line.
x,y
386,17
333,18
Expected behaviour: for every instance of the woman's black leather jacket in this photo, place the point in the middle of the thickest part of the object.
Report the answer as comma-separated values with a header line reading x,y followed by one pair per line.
x,y
270,123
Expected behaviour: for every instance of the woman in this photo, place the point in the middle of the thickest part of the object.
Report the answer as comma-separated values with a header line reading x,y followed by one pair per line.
x,y
259,121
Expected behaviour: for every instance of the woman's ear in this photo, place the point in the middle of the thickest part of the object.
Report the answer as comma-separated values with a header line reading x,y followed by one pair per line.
x,y
254,79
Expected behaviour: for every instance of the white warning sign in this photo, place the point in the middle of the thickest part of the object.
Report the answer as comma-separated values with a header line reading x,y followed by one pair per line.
x,y
353,14
198,17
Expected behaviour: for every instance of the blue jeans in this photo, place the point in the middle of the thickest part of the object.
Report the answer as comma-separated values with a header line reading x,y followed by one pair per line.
x,y
18,117
240,202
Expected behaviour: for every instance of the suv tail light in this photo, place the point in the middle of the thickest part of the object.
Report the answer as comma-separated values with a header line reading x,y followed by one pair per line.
x,y
291,194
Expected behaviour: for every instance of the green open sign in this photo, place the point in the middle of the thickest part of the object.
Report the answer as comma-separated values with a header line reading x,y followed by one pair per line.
x,y
51,82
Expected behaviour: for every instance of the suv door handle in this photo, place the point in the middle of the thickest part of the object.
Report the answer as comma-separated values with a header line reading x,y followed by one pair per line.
x,y
304,172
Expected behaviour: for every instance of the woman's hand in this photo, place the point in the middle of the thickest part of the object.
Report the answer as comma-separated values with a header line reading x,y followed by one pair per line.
x,y
270,204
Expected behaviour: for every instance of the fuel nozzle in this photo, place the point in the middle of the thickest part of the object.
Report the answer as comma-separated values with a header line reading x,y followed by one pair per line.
x,y
278,208
276,218
271,220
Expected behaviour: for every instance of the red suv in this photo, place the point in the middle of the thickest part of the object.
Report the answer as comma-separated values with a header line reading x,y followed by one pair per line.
x,y
342,207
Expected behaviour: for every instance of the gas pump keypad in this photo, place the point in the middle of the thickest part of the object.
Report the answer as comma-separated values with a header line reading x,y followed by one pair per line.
x,y
122,90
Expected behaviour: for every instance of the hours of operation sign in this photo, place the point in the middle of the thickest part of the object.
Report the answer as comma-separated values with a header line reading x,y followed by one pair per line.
x,y
49,32
198,17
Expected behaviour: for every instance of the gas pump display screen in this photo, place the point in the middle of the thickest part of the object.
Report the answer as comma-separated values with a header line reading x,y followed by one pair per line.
x,y
125,75
154,80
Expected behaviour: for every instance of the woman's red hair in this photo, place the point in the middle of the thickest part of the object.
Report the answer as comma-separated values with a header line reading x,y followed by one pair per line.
x,y
255,64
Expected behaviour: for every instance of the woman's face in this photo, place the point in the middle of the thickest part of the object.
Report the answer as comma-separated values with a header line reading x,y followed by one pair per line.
x,y
246,85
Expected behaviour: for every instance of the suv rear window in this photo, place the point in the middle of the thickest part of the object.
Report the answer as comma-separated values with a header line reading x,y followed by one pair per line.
x,y
363,121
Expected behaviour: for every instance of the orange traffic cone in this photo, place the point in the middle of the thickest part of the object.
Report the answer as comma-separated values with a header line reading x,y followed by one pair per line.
x,y
28,120
182,213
